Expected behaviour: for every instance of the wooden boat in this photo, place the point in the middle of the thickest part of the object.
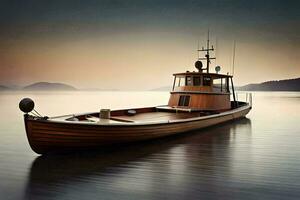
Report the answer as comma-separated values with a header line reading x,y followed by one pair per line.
x,y
197,100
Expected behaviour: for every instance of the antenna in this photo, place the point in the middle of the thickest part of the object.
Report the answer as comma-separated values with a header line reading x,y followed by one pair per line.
x,y
233,57
216,50
198,49
207,57
208,38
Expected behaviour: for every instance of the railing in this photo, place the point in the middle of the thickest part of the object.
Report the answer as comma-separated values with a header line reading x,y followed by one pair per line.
x,y
244,97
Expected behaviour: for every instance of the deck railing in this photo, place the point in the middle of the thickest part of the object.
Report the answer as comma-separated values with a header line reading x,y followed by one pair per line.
x,y
244,97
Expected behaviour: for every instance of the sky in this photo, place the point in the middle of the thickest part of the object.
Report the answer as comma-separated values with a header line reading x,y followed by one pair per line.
x,y
138,45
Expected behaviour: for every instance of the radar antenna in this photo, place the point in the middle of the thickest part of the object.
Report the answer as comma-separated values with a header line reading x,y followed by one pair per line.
x,y
207,56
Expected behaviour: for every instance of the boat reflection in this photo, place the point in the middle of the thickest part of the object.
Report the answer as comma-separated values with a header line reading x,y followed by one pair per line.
x,y
170,162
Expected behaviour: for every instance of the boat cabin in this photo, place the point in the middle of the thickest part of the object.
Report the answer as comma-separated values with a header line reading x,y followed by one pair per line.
x,y
200,91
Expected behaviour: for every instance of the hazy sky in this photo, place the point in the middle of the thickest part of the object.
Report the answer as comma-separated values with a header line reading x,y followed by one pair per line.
x,y
139,44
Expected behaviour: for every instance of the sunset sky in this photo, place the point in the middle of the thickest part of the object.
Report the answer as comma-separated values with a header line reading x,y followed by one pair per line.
x,y
137,44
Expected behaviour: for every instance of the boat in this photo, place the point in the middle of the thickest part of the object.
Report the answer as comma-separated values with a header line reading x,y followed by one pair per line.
x,y
198,99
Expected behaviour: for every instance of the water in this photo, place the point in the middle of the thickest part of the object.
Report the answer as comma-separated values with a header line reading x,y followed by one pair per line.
x,y
254,158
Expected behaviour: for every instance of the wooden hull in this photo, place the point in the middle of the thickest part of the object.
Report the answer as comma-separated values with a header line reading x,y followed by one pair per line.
x,y
46,136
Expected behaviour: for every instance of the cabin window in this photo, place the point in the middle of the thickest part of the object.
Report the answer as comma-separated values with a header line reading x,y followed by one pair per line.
x,y
226,85
188,80
184,100
206,81
179,82
196,80
217,85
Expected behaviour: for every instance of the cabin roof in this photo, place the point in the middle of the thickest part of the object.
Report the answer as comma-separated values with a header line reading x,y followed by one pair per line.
x,y
200,73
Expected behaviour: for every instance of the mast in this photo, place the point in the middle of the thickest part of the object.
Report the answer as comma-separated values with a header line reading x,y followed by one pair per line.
x,y
207,56
233,57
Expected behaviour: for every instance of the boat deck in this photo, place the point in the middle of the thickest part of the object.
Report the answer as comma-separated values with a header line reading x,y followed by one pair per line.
x,y
155,116
143,115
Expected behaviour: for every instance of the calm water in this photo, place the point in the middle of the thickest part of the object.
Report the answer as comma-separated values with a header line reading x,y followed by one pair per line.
x,y
254,158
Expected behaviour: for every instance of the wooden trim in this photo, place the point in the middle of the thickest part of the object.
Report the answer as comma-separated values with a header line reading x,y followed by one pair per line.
x,y
198,92
245,107
174,83
193,88
121,120
199,73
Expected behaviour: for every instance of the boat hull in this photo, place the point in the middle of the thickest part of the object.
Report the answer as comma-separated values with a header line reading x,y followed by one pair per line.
x,y
46,136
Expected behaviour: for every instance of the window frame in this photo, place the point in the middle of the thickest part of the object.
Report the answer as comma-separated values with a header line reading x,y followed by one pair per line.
x,y
196,77
206,81
184,100
189,79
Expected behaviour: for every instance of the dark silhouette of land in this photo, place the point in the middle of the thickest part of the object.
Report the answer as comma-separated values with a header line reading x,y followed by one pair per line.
x,y
281,85
48,86
40,86
3,88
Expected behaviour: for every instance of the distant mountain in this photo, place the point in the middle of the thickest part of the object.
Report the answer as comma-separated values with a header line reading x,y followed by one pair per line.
x,y
40,86
2,88
281,85
14,87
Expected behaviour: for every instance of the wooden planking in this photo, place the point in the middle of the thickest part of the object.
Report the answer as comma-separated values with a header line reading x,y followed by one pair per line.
x,y
204,101
194,88
45,136
213,75
158,116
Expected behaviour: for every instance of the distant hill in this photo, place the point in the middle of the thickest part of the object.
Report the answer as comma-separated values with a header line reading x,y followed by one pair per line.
x,y
281,85
2,88
40,86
